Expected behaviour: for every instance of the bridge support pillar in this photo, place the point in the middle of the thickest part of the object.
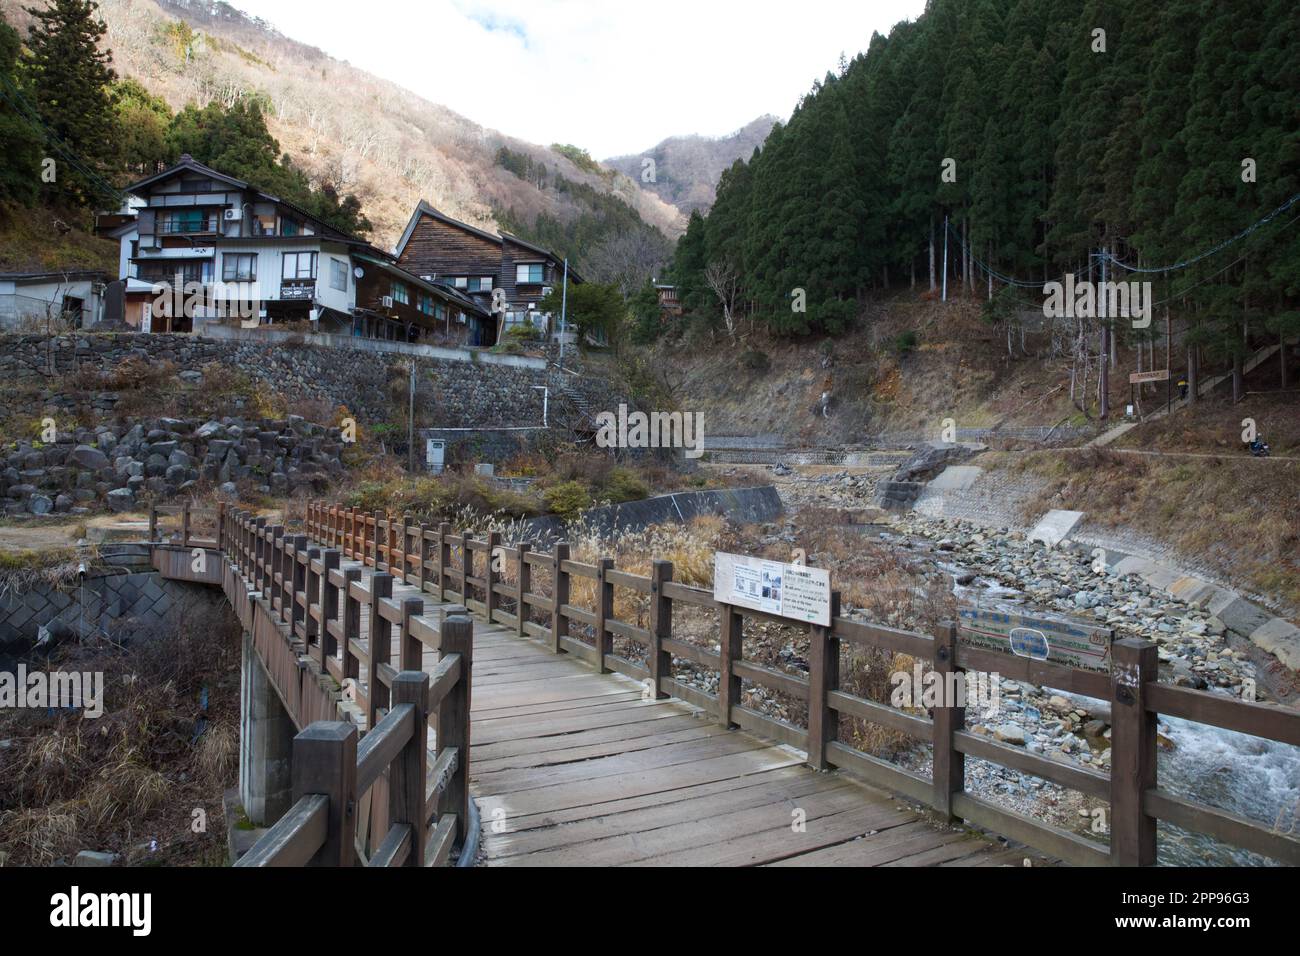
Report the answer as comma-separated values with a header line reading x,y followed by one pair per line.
x,y
266,735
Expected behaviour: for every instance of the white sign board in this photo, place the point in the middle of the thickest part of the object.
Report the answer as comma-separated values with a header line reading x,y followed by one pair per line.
x,y
783,590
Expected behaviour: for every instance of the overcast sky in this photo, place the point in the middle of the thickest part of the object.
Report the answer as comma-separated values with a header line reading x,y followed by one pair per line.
x,y
636,71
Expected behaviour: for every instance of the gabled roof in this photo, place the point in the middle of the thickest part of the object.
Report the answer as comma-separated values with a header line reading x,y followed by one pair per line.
x,y
76,275
424,209
187,163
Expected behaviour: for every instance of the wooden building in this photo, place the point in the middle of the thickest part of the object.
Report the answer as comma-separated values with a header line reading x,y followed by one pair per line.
x,y
199,246
504,274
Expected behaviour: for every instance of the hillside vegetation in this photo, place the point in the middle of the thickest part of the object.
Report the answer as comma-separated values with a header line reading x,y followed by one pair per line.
x,y
1054,137
347,129
686,169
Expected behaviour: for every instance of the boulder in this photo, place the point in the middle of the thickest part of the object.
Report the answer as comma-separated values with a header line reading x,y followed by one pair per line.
x,y
123,499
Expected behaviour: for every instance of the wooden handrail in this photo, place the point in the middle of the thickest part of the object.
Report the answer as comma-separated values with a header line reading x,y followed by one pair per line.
x,y
422,556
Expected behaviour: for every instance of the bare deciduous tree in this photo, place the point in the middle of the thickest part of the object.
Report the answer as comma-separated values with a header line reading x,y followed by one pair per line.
x,y
724,282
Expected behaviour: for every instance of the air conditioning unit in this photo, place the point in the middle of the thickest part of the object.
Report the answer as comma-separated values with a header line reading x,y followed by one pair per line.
x,y
546,290
388,302
232,215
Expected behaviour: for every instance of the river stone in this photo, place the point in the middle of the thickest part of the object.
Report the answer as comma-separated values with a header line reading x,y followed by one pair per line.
x,y
92,459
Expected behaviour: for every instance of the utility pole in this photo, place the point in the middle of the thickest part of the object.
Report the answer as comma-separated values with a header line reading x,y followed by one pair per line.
x,y
945,258
564,310
410,424
1103,376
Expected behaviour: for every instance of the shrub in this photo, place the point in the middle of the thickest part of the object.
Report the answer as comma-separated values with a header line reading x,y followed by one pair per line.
x,y
624,485
756,361
905,343
568,500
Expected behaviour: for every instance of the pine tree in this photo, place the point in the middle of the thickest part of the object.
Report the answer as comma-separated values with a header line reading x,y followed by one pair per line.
x,y
71,79
20,165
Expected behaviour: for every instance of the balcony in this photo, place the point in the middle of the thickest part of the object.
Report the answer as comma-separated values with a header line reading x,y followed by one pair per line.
x,y
189,226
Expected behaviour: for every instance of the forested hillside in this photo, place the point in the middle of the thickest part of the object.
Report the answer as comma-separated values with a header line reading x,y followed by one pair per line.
x,y
1150,132
347,132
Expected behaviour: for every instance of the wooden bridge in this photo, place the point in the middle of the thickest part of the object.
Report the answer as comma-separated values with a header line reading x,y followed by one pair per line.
x,y
468,668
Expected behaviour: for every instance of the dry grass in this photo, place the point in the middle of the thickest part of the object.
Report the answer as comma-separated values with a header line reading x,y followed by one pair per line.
x,y
138,772
1237,516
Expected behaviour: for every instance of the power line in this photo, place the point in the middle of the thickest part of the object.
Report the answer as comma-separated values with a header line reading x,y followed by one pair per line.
x,y
24,109
1209,252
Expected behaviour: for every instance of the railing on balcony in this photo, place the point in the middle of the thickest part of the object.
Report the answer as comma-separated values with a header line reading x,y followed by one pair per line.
x,y
189,227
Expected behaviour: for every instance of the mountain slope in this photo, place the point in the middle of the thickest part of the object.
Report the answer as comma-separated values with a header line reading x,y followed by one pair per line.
x,y
686,168
344,126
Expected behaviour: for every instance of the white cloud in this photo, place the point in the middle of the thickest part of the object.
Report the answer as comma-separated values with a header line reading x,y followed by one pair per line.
x,y
611,76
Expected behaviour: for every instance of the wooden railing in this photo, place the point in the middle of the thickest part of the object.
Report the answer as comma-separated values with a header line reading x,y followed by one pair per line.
x,y
185,518
320,604
447,566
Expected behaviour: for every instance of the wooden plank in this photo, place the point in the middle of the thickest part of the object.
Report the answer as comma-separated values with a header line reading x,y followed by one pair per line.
x,y
1231,828
1059,843
857,818
295,839
675,807
1270,721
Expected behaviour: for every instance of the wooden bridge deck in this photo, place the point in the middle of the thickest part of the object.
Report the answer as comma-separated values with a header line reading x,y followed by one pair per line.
x,y
573,768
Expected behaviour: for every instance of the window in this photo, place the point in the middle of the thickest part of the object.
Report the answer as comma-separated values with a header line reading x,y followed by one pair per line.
x,y
440,312
425,302
400,293
479,284
289,228
165,270
460,282
183,221
338,275
299,265
460,317
238,267
530,273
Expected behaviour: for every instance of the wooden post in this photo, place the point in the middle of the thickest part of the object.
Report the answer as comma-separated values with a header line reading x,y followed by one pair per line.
x,y
412,650
221,526
524,581
492,576
444,562
381,646
406,774
298,582
453,721
311,595
351,629
273,559
185,525
659,660
466,567
259,556
423,552
949,772
325,761
604,611
153,522
379,524
402,535
329,604
1133,752
823,677
560,593
732,634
